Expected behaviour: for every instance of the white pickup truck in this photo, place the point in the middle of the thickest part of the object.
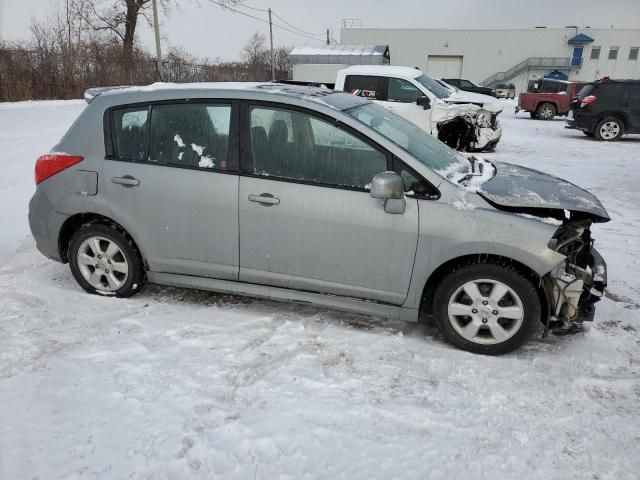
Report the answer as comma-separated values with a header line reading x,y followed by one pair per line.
x,y
463,120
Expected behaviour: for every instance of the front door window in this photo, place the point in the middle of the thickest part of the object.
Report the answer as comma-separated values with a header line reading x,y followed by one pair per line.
x,y
293,145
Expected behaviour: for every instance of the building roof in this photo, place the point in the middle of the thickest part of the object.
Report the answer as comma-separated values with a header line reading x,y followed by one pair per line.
x,y
580,39
346,54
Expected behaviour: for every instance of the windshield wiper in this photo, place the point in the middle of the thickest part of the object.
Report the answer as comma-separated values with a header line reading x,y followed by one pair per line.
x,y
475,165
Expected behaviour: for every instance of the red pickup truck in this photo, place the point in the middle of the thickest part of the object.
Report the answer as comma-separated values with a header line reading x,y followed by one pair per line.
x,y
547,98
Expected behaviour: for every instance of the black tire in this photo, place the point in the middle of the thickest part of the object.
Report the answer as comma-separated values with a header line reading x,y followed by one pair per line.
x,y
508,276
533,115
603,133
546,111
135,277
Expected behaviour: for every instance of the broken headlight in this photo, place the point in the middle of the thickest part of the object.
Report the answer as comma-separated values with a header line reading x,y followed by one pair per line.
x,y
483,119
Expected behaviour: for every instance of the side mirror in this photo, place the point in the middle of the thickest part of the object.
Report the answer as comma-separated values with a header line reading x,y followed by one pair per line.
x,y
388,186
424,102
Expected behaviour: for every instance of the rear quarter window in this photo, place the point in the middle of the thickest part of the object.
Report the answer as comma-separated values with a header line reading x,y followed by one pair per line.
x,y
131,133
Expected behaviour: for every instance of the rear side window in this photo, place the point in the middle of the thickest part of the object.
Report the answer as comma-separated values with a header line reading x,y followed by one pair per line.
x,y
192,135
131,133
586,91
362,85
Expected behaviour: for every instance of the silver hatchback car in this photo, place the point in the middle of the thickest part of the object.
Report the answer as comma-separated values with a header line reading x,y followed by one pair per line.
x,y
309,195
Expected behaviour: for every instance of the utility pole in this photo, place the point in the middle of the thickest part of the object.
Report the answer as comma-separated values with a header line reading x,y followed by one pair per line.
x,y
273,70
328,36
156,27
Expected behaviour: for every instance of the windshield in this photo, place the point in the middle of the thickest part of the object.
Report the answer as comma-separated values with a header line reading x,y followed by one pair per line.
x,y
427,149
433,86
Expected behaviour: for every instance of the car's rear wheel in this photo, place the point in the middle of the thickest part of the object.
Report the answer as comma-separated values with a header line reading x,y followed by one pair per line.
x,y
532,115
609,129
546,111
104,260
487,308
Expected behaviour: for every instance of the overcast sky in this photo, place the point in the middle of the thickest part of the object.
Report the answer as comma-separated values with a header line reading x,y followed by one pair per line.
x,y
206,30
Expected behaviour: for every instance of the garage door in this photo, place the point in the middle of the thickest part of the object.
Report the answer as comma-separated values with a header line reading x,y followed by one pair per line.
x,y
444,66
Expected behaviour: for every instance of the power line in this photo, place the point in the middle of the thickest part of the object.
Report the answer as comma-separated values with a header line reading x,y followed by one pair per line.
x,y
265,21
243,5
293,26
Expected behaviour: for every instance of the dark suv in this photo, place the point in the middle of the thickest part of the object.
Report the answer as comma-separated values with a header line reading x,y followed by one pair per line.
x,y
469,86
607,109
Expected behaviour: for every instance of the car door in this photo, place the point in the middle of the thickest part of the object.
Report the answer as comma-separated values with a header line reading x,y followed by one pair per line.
x,y
307,220
171,180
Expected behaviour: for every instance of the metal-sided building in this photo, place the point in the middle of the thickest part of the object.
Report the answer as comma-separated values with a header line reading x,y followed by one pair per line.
x,y
320,64
489,57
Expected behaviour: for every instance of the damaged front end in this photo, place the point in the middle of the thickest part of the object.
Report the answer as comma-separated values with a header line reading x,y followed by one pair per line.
x,y
575,286
467,127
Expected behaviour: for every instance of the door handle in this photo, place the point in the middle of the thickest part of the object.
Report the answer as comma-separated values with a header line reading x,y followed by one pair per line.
x,y
264,199
126,181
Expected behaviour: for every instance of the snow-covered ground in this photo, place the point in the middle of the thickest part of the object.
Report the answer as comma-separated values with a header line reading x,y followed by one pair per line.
x,y
179,384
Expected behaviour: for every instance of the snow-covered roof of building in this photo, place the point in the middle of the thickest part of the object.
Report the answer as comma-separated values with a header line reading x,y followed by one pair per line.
x,y
345,54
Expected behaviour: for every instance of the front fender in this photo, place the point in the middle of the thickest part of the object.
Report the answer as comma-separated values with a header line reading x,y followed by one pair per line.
x,y
448,232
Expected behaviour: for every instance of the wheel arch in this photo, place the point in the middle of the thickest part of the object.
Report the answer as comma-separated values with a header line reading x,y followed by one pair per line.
x,y
74,222
550,101
619,115
426,302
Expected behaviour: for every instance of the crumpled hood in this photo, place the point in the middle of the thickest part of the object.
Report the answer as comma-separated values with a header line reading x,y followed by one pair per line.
x,y
487,102
516,187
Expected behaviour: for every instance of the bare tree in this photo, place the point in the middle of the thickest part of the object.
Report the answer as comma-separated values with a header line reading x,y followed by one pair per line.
x,y
256,56
120,18
281,61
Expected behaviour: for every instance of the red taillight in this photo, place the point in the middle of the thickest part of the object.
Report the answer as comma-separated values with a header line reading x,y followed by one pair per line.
x,y
588,101
48,165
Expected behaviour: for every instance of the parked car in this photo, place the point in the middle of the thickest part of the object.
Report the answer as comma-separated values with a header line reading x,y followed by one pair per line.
x,y
607,109
469,86
315,196
505,90
548,97
464,121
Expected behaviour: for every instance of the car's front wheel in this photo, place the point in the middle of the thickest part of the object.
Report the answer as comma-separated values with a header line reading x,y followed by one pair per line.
x,y
487,308
609,129
104,260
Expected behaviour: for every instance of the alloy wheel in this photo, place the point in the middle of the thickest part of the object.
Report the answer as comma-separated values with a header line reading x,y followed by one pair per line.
x,y
609,130
546,112
486,311
103,264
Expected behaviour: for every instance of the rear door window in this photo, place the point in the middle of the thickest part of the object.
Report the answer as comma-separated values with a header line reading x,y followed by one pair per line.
x,y
363,86
191,135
